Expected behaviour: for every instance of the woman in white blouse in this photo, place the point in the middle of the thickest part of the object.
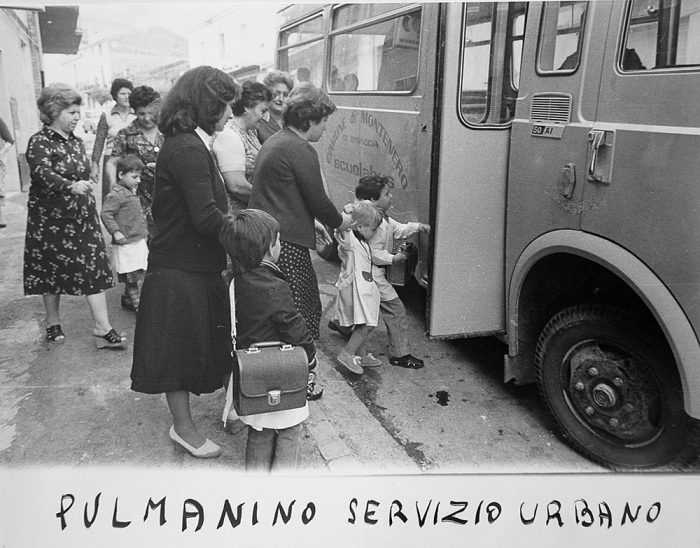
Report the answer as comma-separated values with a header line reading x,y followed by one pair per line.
x,y
237,146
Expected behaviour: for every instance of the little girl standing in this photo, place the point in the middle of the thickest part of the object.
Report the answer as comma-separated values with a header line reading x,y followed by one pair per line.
x,y
123,217
357,305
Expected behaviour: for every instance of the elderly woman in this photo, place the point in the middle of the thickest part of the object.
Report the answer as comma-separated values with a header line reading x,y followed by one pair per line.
x,y
237,146
109,125
64,250
142,139
288,185
280,84
182,343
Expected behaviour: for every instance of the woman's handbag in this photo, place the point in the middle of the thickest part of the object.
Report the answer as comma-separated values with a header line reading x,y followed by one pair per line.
x,y
270,376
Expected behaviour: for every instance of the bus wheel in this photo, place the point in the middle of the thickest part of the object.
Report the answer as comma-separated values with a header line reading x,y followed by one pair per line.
x,y
612,387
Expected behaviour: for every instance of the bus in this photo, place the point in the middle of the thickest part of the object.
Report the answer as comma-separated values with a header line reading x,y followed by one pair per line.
x,y
553,148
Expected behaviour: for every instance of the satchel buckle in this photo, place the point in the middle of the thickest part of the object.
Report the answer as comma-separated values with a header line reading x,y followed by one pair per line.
x,y
274,397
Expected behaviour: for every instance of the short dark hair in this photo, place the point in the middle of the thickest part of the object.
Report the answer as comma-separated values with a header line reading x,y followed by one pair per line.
x,y
252,93
247,235
143,96
305,104
371,186
54,99
278,77
118,84
129,162
198,98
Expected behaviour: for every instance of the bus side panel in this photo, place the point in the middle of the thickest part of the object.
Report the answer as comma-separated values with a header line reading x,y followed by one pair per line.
x,y
467,284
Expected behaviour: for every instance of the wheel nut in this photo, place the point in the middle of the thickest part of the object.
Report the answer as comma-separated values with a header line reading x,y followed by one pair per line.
x,y
614,422
579,386
593,371
589,410
617,381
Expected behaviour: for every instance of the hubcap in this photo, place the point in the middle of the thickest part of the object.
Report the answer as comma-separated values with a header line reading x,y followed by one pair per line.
x,y
613,391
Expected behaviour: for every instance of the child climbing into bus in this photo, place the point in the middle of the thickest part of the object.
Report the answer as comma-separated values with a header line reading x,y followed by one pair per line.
x,y
124,220
377,189
357,305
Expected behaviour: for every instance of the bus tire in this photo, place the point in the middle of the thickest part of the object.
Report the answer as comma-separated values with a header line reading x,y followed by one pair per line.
x,y
612,386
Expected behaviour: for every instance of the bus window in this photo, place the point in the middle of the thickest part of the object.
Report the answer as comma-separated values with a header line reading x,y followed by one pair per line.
x,y
301,51
661,34
382,56
561,36
493,45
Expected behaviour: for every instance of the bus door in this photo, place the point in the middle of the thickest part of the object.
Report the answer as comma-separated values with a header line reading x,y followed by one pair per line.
x,y
483,44
644,146
555,113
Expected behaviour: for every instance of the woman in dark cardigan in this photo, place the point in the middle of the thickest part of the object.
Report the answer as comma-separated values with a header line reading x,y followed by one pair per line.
x,y
288,185
182,342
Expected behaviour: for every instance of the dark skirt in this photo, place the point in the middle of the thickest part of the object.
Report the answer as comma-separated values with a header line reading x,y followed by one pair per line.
x,y
295,262
183,333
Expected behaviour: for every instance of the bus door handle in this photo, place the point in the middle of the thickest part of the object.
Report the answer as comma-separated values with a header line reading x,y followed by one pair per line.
x,y
600,148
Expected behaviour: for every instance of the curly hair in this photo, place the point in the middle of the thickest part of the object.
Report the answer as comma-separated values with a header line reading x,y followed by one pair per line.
x,y
278,77
370,187
305,104
143,96
54,99
118,84
247,235
198,98
252,94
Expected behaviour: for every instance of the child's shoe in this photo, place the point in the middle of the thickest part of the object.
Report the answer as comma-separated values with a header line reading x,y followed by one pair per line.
x,y
352,363
407,361
313,389
343,331
370,361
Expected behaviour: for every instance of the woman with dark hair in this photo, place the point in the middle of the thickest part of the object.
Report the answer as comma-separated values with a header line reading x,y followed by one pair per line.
x,y
64,251
109,125
288,185
182,343
237,146
280,84
142,139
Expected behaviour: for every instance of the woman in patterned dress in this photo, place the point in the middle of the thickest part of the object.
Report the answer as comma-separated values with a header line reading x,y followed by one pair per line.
x,y
289,186
142,139
237,146
64,252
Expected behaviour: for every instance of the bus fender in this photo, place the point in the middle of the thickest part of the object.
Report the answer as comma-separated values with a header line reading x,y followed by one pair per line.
x,y
654,293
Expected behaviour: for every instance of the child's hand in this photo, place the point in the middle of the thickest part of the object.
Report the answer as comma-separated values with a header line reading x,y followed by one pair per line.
x,y
424,228
348,208
119,238
398,260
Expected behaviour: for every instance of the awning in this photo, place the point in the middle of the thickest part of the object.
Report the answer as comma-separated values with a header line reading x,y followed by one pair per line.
x,y
58,27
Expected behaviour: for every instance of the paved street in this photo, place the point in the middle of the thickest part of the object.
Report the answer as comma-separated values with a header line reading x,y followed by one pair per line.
x,y
71,404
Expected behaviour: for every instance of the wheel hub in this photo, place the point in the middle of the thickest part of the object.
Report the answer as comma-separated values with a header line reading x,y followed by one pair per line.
x,y
614,391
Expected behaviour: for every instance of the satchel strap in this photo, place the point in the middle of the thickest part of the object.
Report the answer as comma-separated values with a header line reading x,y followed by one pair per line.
x,y
229,389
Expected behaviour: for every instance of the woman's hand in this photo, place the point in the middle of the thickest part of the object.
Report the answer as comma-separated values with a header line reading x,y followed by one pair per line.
x,y
119,237
347,222
322,236
80,187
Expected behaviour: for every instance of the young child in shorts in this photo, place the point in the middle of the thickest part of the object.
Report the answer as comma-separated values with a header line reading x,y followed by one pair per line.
x,y
124,220
357,304
265,312
377,189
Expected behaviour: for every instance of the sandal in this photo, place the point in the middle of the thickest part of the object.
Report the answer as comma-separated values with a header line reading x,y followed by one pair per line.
x,y
54,333
110,340
407,361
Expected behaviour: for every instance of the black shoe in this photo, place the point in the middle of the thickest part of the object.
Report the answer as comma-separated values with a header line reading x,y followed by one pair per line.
x,y
407,361
313,389
127,303
345,332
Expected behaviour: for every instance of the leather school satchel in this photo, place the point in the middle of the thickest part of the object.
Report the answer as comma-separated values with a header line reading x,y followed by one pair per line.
x,y
269,376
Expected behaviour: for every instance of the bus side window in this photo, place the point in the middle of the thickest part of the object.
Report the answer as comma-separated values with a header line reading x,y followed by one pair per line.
x,y
561,36
490,65
301,51
661,34
378,57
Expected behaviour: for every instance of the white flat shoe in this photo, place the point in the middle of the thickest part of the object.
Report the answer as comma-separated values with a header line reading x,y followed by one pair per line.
x,y
208,451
